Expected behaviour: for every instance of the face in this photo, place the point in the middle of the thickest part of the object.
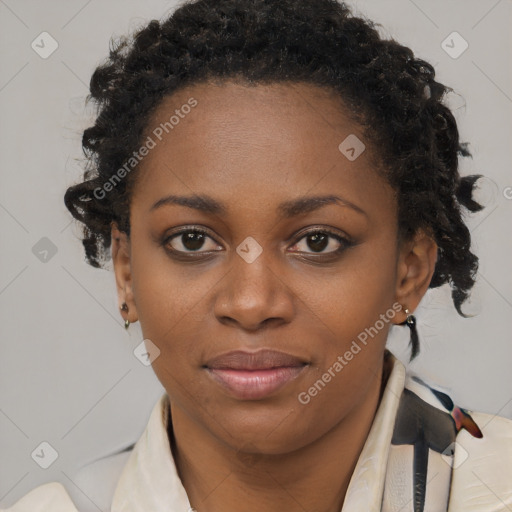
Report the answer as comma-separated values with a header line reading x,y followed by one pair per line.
x,y
269,282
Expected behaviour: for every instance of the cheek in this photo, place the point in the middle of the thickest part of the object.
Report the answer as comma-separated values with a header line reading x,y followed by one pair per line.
x,y
353,295
170,309
165,293
359,315
353,309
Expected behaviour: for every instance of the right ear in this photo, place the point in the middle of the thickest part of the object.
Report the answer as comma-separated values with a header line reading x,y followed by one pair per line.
x,y
123,273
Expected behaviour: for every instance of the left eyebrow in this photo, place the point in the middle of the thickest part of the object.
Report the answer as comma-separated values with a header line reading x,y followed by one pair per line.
x,y
288,209
307,204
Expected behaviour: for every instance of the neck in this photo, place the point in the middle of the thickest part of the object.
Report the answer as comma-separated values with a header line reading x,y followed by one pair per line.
x,y
315,477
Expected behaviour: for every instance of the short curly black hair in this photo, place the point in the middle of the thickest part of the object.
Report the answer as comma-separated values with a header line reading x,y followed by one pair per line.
x,y
393,95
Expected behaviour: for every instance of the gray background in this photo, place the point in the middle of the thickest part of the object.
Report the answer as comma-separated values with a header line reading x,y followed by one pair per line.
x,y
68,375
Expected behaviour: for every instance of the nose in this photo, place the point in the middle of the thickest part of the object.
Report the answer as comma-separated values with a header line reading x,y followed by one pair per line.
x,y
254,295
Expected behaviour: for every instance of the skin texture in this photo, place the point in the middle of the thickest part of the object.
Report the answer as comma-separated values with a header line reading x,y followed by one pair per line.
x,y
252,148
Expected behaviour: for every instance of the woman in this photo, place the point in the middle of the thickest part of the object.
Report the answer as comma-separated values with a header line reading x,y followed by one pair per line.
x,y
277,186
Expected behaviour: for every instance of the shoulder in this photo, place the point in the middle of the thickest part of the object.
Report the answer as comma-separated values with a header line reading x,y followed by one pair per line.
x,y
476,445
47,497
97,481
496,427
92,489
482,467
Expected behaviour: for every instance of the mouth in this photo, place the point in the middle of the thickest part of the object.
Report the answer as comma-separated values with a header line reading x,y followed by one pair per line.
x,y
254,375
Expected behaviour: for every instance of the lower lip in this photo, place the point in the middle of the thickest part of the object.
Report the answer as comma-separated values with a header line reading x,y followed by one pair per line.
x,y
255,384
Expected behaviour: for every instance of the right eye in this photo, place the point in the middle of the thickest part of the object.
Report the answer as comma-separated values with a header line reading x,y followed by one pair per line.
x,y
189,241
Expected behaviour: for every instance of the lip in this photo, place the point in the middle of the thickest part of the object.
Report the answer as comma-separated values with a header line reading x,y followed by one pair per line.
x,y
254,375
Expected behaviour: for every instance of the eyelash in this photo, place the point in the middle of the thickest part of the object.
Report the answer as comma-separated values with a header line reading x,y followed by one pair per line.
x,y
188,256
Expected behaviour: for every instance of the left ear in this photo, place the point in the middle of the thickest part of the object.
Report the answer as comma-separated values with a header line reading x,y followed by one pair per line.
x,y
416,264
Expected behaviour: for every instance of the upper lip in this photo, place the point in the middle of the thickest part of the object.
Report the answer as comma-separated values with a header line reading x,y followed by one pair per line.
x,y
261,360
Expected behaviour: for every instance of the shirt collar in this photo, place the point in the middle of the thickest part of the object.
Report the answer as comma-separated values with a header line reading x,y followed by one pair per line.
x,y
366,486
150,480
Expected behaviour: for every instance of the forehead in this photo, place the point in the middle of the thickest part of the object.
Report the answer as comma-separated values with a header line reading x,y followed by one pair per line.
x,y
242,113
266,143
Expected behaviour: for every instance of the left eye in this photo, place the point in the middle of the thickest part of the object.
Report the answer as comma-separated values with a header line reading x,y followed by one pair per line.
x,y
317,241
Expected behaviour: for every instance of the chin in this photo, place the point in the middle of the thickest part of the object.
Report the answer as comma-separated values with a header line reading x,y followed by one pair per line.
x,y
263,428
